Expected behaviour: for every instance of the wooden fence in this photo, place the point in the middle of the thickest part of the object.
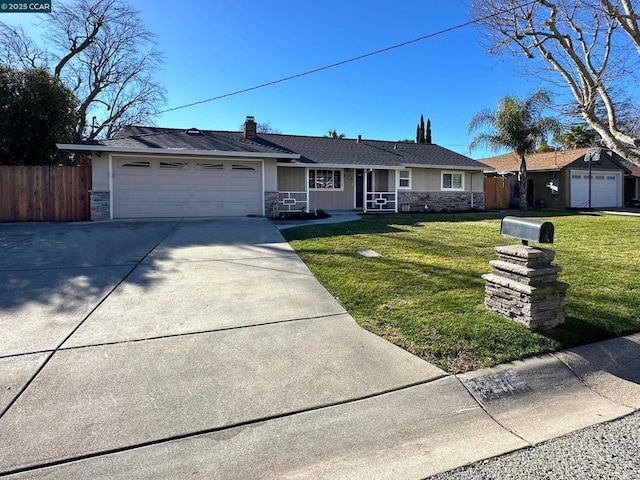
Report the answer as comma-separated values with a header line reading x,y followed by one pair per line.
x,y
44,194
496,193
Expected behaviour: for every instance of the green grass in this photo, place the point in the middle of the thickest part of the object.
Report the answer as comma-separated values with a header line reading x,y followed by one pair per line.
x,y
425,292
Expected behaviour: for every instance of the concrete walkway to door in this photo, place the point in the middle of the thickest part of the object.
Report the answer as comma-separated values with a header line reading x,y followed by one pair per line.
x,y
206,349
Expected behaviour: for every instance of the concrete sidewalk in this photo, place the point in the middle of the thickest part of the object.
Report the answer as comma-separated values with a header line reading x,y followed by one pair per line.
x,y
206,349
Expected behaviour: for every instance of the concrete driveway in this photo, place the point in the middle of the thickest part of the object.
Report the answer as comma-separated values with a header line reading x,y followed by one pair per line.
x,y
206,349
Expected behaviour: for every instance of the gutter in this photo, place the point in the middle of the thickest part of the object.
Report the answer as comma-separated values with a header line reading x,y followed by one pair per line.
x,y
381,167
342,165
515,172
443,167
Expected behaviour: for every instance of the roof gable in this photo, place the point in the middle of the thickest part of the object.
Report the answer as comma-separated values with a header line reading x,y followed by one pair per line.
x,y
608,160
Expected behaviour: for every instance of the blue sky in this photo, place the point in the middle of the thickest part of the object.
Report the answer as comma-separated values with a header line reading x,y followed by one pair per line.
x,y
215,47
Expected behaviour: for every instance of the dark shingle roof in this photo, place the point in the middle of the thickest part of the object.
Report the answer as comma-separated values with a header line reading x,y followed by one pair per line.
x,y
426,154
333,151
345,151
312,150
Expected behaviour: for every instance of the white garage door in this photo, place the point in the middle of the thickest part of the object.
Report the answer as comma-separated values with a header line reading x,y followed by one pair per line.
x,y
606,189
186,188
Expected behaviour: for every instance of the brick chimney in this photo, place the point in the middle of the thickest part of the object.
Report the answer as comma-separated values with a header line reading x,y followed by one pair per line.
x,y
250,128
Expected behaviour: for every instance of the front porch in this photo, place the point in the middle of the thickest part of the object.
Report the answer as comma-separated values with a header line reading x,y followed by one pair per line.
x,y
304,189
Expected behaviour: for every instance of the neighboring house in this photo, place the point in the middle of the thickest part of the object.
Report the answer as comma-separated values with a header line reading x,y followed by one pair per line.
x,y
162,172
560,179
632,185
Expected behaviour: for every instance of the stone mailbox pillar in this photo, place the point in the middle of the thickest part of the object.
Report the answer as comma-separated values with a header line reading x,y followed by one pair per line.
x,y
524,286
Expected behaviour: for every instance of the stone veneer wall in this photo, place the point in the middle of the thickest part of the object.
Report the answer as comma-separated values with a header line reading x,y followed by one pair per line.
x,y
100,205
524,287
271,206
439,201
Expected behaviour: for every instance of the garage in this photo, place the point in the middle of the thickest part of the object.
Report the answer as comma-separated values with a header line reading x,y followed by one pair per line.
x,y
177,187
606,189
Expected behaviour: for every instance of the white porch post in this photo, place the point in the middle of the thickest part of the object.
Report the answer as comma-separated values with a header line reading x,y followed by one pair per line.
x,y
262,180
365,187
306,187
396,175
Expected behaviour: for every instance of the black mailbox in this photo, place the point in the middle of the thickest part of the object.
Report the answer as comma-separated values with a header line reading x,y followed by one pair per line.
x,y
527,230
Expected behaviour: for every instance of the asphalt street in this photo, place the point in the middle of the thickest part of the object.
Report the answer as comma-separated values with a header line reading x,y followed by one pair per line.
x,y
608,451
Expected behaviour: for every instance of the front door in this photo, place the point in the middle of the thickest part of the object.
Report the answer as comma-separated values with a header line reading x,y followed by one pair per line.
x,y
359,188
531,198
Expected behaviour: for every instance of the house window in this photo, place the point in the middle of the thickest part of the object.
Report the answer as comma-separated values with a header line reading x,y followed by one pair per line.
x,y
136,164
239,166
174,165
452,181
404,179
210,166
325,179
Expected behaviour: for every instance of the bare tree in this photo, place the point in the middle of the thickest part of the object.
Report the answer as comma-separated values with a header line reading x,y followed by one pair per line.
x,y
591,45
267,128
18,51
101,50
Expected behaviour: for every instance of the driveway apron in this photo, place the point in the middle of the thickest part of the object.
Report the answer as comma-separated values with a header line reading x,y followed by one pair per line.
x,y
166,331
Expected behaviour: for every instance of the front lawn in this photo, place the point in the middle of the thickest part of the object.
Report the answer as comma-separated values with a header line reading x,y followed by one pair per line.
x,y
425,292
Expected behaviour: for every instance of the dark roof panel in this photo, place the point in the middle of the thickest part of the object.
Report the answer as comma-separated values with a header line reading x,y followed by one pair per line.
x,y
173,138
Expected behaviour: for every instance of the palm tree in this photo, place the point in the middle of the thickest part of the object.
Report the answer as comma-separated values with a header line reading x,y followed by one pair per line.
x,y
516,124
579,136
335,134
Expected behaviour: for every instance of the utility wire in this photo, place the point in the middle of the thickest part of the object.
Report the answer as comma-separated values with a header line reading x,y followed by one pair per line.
x,y
350,60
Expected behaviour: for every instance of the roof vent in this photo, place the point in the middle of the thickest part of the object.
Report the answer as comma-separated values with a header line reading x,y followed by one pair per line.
x,y
193,131
395,147
359,138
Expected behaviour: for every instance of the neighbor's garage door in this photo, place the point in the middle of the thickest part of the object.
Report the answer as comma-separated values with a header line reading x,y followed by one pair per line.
x,y
185,188
606,189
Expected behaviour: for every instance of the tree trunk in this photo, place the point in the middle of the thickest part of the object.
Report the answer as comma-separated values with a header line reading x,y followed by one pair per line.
x,y
523,184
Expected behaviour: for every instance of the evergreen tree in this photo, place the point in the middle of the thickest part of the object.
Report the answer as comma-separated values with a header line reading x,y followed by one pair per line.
x,y
428,134
335,134
37,111
579,136
422,131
